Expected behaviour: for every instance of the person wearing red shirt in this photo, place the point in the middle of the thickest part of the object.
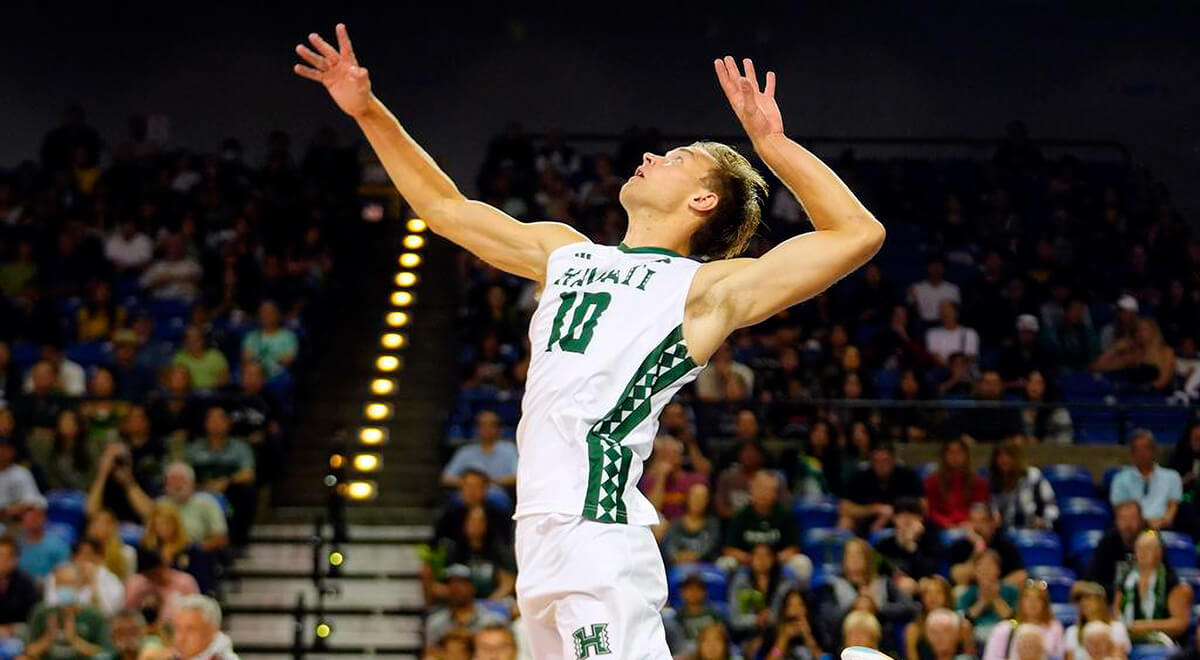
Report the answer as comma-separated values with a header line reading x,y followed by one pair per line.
x,y
954,487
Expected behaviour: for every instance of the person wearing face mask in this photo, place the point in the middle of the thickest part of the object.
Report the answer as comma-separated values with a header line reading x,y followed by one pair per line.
x,y
62,629
201,514
98,587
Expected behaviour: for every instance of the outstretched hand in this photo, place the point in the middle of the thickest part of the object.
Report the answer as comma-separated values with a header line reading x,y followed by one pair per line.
x,y
756,109
338,70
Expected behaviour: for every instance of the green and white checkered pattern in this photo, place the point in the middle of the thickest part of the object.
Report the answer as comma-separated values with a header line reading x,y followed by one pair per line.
x,y
608,461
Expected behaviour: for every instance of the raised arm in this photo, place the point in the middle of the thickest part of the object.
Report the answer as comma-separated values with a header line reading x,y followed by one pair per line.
x,y
492,235
741,292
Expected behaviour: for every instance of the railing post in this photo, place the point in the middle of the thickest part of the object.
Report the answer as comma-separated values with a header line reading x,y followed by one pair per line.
x,y
1122,422
298,628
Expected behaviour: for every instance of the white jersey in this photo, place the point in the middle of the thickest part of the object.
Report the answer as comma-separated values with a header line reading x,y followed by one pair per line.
x,y
607,355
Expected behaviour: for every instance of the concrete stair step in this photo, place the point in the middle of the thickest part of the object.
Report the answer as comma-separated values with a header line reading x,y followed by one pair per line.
x,y
280,594
352,630
359,559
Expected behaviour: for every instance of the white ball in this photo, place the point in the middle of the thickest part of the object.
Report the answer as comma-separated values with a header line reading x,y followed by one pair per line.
x,y
863,653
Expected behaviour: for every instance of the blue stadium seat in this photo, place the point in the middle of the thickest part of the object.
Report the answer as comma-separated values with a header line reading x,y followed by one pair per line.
x,y
951,536
1058,581
163,308
714,580
1070,481
925,469
1072,384
67,506
824,545
1082,546
812,513
131,533
1037,547
90,354
1150,652
11,648
24,354
64,531
1180,549
1190,576
879,535
1082,514
1067,614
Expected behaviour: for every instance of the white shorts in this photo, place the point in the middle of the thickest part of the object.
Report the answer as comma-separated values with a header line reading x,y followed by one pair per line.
x,y
589,589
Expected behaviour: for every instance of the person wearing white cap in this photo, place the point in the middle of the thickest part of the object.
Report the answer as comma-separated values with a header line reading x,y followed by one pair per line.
x,y
41,551
1024,353
1124,326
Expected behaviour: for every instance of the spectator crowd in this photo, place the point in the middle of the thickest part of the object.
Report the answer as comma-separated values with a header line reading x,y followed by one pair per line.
x,y
154,305
1031,294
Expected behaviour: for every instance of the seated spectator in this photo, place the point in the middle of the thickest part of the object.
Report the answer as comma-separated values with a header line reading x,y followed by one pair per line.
x,y
18,592
119,557
254,412
206,365
146,455
461,610
733,484
98,587
861,628
950,337
1098,641
959,381
665,482
1019,491
196,630
1029,643
1024,353
1124,324
156,588
1144,360
40,550
272,346
937,636
472,493
490,558
1113,557
713,643
99,316
130,634
1033,609
1074,339
693,615
108,491
495,642
696,535
915,550
174,415
1044,423
990,424
871,492
911,423
1154,605
67,458
766,521
175,276
127,249
953,487
16,482
102,412
456,645
989,600
822,453
1157,489
792,638
984,534
713,383
225,464
134,380
929,294
1091,601
756,592
69,377
203,519
860,587
62,628
494,457
746,428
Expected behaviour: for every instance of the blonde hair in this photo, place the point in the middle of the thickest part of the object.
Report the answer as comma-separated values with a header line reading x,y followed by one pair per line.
x,y
170,511
741,192
871,569
860,619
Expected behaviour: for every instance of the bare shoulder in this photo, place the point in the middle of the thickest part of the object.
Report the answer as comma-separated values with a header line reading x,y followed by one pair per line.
x,y
706,314
553,235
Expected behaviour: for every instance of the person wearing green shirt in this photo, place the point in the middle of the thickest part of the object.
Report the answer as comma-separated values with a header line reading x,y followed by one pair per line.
x,y
207,366
271,345
225,465
15,274
989,600
61,629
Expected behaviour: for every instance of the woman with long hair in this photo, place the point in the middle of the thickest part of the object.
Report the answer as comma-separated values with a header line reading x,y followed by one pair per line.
x,y
696,535
1092,603
166,535
1151,601
954,487
68,457
1146,359
792,636
757,592
1033,609
1044,423
822,446
99,316
103,528
1020,493
860,586
712,643
935,593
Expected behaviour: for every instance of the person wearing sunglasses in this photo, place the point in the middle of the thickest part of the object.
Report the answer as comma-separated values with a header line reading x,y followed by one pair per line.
x,y
1033,613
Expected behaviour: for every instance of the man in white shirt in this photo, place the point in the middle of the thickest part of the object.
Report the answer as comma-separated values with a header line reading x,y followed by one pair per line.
x,y
174,277
950,337
99,587
128,249
16,482
929,293
72,380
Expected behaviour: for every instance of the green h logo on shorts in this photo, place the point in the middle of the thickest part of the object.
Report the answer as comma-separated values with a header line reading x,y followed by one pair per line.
x,y
594,644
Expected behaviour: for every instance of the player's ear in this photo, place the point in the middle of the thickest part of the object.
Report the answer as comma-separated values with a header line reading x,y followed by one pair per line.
x,y
703,201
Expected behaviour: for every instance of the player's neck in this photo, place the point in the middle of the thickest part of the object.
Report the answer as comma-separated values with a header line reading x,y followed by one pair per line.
x,y
650,234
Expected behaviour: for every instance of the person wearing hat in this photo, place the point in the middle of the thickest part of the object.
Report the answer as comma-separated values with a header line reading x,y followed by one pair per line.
x,y
1123,326
461,610
134,380
694,614
1024,352
1092,602
40,550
